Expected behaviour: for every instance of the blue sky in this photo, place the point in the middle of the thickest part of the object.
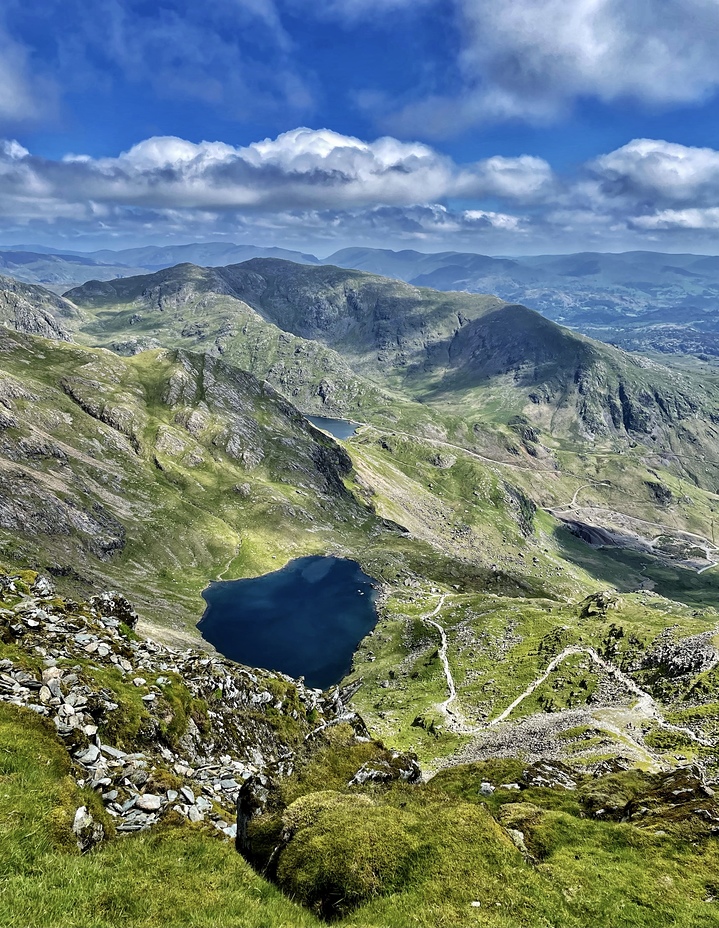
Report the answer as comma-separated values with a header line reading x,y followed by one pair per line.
x,y
504,128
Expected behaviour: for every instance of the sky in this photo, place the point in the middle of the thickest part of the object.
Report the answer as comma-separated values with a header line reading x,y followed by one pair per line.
x,y
517,127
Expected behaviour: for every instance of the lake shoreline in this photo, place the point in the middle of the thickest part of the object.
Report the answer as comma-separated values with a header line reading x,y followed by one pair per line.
x,y
304,619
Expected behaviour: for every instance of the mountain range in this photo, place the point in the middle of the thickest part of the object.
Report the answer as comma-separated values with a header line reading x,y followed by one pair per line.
x,y
537,509
335,341
643,301
39,264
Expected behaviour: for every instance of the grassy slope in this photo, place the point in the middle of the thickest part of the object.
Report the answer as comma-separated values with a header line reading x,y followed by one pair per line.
x,y
336,341
590,872
169,478
422,855
498,646
179,875
150,453
185,522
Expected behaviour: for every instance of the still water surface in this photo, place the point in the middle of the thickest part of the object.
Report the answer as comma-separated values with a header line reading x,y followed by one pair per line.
x,y
305,620
340,428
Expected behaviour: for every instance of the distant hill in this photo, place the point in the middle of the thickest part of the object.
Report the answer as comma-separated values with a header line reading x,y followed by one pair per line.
x,y
335,340
59,271
37,264
207,254
639,299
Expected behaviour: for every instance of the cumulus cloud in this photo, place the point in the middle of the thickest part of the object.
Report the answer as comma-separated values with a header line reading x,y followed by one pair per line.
x,y
531,59
662,171
302,168
525,178
317,186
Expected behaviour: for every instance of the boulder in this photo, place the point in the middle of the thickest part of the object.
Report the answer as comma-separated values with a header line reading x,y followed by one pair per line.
x,y
394,767
89,833
114,606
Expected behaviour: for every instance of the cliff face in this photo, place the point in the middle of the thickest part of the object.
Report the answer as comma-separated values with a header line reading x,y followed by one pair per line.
x,y
331,339
34,310
158,470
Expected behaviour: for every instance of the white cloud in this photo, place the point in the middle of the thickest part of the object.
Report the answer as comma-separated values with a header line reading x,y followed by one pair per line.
x,y
680,219
308,186
524,178
231,54
303,168
531,59
494,220
24,97
663,171
12,150
168,151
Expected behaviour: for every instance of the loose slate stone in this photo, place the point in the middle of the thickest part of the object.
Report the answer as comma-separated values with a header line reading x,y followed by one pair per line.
x,y
149,802
203,804
89,755
77,705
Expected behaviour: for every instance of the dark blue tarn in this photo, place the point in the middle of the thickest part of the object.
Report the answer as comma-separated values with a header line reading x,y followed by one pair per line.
x,y
304,620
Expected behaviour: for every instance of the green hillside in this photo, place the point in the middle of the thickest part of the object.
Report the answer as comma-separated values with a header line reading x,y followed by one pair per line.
x,y
161,471
537,510
121,811
468,369
420,342
641,300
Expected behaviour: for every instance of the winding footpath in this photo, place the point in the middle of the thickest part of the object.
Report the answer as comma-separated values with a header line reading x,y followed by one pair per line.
x,y
711,550
455,720
645,707
429,619
221,575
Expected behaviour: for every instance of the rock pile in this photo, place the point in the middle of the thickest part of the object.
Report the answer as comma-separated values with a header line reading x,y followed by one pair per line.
x,y
152,729
677,657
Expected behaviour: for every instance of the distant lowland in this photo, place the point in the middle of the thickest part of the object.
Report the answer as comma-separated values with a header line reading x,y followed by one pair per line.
x,y
641,301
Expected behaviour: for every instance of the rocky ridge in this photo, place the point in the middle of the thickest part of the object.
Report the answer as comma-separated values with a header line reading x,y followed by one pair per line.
x,y
34,310
123,471
331,339
154,730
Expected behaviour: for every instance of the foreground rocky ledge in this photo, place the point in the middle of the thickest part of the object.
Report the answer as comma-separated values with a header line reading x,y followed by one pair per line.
x,y
153,729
